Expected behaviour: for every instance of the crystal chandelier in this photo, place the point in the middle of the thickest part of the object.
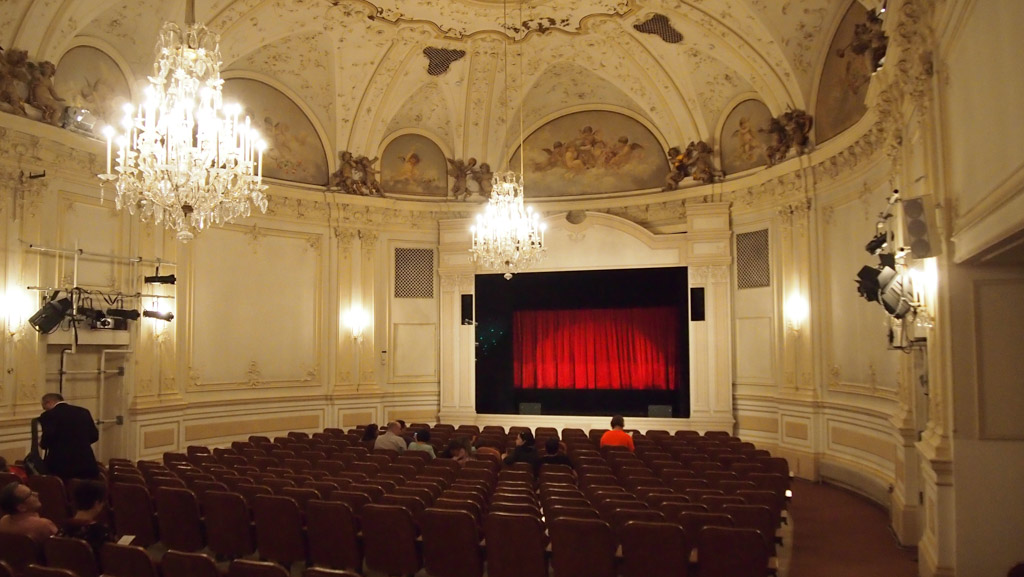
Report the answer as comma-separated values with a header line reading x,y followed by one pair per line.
x,y
184,158
508,236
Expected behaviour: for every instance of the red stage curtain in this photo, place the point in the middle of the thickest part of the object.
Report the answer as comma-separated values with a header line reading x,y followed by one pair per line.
x,y
632,348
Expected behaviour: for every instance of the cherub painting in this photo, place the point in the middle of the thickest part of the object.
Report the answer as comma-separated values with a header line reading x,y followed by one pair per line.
x,y
591,152
743,145
413,164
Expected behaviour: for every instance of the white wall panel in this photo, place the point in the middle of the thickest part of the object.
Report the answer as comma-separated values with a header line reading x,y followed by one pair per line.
x,y
250,285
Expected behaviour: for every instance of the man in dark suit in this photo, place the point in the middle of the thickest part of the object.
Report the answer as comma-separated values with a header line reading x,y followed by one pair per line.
x,y
68,435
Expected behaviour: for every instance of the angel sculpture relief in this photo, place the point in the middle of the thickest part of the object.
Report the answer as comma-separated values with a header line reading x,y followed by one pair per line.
x,y
460,171
43,95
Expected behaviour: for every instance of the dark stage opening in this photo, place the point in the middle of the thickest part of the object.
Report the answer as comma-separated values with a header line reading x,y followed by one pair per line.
x,y
563,369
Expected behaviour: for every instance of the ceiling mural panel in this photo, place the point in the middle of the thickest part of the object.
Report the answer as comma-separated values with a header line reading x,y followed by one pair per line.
x,y
303,63
844,80
413,164
294,151
592,152
358,66
88,78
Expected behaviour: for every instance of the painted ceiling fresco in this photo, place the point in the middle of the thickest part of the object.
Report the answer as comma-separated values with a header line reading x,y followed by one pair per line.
x,y
475,75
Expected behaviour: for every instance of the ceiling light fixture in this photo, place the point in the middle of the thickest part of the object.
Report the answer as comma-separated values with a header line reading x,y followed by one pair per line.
x,y
184,158
508,236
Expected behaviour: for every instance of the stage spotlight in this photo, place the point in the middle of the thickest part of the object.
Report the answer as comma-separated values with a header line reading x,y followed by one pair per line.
x,y
157,279
164,316
91,315
882,284
127,314
48,318
875,245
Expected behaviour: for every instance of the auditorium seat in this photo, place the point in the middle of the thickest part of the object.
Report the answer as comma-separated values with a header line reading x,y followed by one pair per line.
x,y
451,543
133,513
581,547
389,539
42,571
181,527
332,532
52,496
246,568
654,549
731,552
321,572
756,517
279,534
126,561
354,499
73,554
182,564
229,528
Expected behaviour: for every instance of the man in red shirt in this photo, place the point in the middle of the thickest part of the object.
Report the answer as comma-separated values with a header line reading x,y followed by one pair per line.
x,y
617,437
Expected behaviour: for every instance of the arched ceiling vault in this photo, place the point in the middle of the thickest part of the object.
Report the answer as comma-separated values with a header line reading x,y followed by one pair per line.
x,y
361,60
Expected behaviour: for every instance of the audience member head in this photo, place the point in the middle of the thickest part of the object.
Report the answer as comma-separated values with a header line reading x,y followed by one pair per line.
x,y
618,422
3,464
371,432
423,435
525,438
16,498
394,428
457,449
551,445
401,424
51,399
90,496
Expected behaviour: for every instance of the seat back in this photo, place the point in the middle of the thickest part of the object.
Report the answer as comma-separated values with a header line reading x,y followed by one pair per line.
x,y
756,517
182,564
73,554
731,552
389,539
582,547
247,568
181,528
133,513
516,545
279,535
229,530
40,571
126,561
332,531
18,550
52,495
654,549
451,543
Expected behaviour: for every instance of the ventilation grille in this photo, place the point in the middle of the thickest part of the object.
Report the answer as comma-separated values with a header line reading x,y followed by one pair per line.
x,y
752,268
414,273
658,24
440,59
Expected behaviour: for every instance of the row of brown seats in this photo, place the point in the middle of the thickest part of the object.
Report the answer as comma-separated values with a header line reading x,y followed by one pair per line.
x,y
20,556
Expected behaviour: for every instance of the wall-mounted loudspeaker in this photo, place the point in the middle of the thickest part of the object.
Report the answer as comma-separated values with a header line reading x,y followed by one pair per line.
x,y
467,309
919,220
697,304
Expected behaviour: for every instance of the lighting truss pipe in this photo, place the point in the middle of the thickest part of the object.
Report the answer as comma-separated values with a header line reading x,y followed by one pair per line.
x,y
80,252
103,378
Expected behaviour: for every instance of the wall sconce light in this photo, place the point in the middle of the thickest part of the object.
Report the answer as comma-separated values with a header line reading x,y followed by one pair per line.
x,y
356,319
796,311
15,306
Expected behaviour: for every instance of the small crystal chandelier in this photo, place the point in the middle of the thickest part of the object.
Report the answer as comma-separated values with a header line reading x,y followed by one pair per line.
x,y
508,236
184,158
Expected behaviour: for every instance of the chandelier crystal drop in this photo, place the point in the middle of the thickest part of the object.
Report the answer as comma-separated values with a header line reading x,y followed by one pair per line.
x,y
184,158
508,236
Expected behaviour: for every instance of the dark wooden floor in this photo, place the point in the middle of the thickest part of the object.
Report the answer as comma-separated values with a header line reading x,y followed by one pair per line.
x,y
839,534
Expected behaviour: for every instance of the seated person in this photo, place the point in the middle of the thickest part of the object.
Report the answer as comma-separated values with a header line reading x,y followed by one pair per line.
x,y
616,436
89,498
391,439
21,506
370,432
422,443
552,456
524,452
456,451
